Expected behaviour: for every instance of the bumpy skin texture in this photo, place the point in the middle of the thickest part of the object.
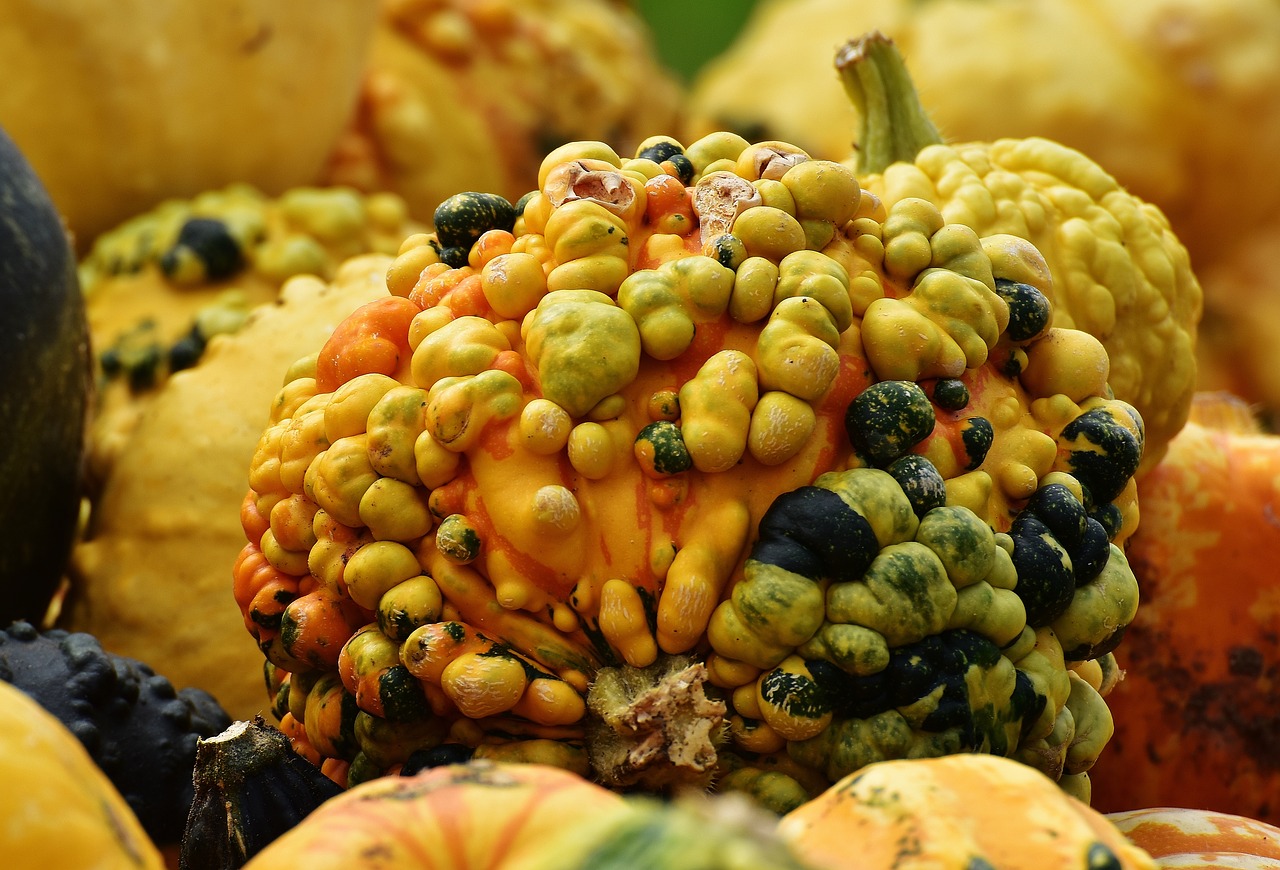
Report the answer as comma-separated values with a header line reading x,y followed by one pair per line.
x,y
460,518
136,727
1119,272
45,391
466,96
163,284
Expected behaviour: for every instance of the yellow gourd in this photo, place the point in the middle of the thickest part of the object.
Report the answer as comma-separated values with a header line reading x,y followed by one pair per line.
x,y
954,813
57,809
119,105
150,578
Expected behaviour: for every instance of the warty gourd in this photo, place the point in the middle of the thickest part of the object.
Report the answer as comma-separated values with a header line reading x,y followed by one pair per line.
x,y
704,463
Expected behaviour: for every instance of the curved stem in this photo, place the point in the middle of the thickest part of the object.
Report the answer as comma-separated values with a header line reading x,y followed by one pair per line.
x,y
893,125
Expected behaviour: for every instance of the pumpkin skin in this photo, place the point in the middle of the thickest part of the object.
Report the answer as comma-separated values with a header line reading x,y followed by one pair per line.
x,y
1190,838
1195,722
163,527
44,394
122,105
60,810
954,813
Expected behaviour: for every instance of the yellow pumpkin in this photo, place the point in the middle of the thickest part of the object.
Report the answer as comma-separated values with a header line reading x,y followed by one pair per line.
x,y
58,808
120,104
954,813
150,578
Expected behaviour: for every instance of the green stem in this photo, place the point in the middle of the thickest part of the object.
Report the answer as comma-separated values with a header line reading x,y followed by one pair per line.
x,y
893,125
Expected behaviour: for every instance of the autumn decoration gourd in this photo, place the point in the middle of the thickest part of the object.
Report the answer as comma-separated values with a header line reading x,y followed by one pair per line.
x,y
954,813
1200,839
1196,721
122,105
60,809
1177,100
1119,272
134,725
464,96
44,392
164,283
163,522
699,465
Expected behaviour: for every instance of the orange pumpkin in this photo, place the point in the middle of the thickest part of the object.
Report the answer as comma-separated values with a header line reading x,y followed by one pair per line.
x,y
1196,721
1181,837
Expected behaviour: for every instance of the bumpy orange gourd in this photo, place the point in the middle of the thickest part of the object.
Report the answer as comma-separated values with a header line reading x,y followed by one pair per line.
x,y
703,435
954,813
1196,721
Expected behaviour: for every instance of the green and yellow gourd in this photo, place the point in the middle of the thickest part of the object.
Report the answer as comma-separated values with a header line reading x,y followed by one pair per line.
x,y
703,463
1119,271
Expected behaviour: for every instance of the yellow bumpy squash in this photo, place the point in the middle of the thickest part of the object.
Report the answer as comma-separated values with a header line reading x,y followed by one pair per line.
x,y
700,463
461,95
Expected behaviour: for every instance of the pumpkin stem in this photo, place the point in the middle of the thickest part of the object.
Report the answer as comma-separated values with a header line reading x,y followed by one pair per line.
x,y
893,125
654,727
250,787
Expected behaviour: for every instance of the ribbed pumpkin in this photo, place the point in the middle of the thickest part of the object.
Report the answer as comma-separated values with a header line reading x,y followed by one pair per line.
x,y
486,816
703,435
954,813
1196,721
1200,839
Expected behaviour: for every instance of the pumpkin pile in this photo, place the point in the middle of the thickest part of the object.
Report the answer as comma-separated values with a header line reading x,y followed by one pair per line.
x,y
700,500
